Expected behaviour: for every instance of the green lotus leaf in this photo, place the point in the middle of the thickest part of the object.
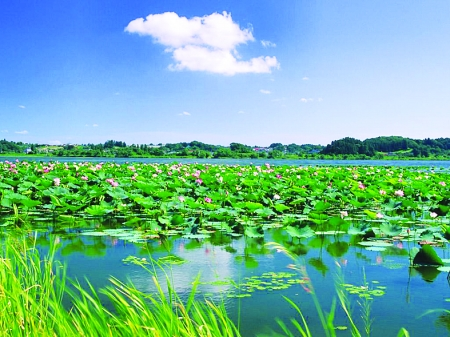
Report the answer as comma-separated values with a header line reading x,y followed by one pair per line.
x,y
281,207
97,210
304,232
5,186
321,206
370,214
254,232
30,203
253,206
265,212
427,256
337,221
390,229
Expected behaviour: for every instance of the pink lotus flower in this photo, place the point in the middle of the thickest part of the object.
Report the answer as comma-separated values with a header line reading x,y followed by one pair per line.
x,y
442,183
276,197
84,178
279,176
208,200
344,214
382,192
433,214
181,198
112,182
361,186
56,181
399,193
199,181
379,215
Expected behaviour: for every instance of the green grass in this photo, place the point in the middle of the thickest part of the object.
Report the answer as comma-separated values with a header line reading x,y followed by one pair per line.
x,y
32,291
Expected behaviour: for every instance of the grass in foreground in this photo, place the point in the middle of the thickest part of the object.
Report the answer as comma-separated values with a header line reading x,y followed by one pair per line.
x,y
31,298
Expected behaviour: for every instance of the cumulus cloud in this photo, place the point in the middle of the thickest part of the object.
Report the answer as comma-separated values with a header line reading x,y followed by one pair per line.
x,y
184,113
267,44
22,106
306,100
4,131
94,125
205,43
24,132
265,92
305,78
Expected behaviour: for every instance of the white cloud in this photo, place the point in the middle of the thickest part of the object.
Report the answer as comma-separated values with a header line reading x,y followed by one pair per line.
x,y
4,131
267,44
94,125
205,43
54,142
265,92
305,78
184,113
305,100
241,112
22,106
279,99
24,132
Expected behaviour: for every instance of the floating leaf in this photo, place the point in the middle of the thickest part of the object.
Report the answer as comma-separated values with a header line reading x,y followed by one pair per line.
x,y
375,243
92,233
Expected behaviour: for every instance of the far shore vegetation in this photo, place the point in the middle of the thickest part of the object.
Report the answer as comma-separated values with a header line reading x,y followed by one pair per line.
x,y
379,148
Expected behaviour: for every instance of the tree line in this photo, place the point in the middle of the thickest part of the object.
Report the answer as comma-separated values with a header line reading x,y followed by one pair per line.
x,y
393,147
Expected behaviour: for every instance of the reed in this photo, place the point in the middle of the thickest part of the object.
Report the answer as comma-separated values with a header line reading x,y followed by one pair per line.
x,y
32,290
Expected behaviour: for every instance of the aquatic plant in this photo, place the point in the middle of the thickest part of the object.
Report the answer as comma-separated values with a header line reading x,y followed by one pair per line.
x,y
38,299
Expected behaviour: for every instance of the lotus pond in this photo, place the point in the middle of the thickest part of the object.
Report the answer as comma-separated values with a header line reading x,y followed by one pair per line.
x,y
378,233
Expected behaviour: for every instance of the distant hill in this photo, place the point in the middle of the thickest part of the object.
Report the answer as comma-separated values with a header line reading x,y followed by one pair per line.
x,y
388,145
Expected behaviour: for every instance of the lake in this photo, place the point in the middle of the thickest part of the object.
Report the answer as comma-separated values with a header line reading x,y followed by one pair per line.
x,y
406,293
251,278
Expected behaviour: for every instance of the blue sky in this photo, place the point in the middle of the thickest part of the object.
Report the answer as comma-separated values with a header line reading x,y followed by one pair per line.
x,y
254,72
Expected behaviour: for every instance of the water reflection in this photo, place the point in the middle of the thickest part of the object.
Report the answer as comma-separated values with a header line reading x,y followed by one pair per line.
x,y
222,261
